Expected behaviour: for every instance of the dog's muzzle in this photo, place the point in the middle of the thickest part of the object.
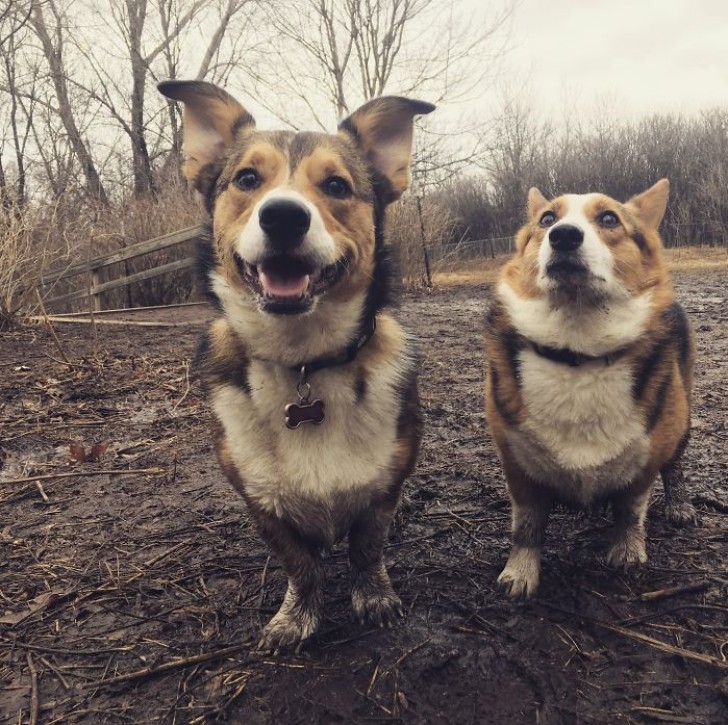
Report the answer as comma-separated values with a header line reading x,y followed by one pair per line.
x,y
565,264
285,223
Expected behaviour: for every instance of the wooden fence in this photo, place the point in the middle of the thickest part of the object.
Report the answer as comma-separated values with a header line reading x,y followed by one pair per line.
x,y
95,288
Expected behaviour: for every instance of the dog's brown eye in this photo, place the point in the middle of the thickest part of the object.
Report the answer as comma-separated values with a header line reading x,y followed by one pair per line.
x,y
247,179
337,187
547,219
608,219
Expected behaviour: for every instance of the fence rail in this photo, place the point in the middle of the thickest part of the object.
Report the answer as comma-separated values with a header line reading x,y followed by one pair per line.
x,y
95,287
93,268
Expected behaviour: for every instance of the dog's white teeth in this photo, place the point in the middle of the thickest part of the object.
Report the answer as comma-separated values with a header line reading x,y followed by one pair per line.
x,y
284,287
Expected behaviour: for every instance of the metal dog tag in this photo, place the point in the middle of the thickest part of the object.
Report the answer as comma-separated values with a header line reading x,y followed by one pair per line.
x,y
304,413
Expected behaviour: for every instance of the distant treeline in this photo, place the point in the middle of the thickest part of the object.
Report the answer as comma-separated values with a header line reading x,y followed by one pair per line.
x,y
616,158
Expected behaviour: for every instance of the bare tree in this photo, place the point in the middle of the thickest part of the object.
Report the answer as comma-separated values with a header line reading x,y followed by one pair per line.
x,y
52,40
335,54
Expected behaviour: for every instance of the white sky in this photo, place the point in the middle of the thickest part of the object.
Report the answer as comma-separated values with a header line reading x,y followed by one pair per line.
x,y
642,56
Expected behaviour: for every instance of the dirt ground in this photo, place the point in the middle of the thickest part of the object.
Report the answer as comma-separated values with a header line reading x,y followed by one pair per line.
x,y
133,588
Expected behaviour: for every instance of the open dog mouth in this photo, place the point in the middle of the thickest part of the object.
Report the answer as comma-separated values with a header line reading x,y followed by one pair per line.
x,y
286,284
568,271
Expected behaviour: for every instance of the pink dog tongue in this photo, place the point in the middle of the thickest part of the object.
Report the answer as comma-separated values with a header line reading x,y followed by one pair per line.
x,y
276,286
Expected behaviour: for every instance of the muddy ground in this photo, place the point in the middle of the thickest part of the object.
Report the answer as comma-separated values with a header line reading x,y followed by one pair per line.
x,y
133,588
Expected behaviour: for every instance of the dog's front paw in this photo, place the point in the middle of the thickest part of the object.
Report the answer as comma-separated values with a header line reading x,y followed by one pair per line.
x,y
519,579
681,514
630,549
290,628
378,606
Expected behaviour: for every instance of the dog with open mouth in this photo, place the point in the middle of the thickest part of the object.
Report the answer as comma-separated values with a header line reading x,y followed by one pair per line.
x,y
311,378
589,368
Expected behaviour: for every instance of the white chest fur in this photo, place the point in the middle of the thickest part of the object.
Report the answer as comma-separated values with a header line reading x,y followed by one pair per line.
x,y
352,448
583,434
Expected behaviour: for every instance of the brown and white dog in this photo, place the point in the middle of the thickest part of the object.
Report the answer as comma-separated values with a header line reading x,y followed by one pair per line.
x,y
312,381
589,372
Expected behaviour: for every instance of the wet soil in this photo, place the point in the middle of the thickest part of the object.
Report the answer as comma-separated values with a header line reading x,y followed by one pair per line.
x,y
133,587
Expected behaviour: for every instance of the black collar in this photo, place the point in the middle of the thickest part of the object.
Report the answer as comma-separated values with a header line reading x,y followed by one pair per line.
x,y
572,358
366,332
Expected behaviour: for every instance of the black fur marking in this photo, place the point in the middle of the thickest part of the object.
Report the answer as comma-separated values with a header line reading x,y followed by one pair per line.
x,y
242,122
648,367
511,340
675,316
360,388
213,370
513,344
659,402
500,404
205,264
206,184
640,240
381,291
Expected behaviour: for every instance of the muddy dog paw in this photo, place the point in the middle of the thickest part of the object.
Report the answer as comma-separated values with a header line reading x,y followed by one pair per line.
x,y
681,513
626,551
520,577
375,602
288,629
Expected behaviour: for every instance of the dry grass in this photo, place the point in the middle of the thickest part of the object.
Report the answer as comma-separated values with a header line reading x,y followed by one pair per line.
x,y
697,257
486,269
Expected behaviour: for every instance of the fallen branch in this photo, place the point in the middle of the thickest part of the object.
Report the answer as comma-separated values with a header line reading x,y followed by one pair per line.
x,y
109,472
662,646
672,591
152,671
132,323
34,702
49,325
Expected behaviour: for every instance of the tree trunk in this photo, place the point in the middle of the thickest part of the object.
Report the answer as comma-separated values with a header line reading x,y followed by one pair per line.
x,y
54,57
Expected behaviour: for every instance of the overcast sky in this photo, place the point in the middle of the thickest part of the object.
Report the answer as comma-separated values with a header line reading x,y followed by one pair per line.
x,y
643,56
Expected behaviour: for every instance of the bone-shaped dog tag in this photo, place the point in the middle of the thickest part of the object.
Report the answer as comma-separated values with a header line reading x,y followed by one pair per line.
x,y
304,413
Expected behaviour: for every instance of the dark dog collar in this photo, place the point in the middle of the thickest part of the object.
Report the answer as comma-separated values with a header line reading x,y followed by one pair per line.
x,y
312,411
574,359
366,333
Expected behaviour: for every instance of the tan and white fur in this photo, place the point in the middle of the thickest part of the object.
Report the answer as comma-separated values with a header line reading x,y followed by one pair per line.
x,y
589,365
297,266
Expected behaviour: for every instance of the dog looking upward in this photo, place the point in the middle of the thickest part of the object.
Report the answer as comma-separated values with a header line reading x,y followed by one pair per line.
x,y
589,367
311,378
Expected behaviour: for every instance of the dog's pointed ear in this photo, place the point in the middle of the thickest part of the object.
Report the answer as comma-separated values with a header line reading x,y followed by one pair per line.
x,y
650,205
383,129
210,119
535,202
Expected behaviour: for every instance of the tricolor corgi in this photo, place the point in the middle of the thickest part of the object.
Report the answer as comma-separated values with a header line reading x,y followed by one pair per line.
x,y
311,378
589,367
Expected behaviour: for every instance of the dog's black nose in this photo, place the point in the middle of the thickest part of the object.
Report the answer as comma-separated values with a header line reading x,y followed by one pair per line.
x,y
565,237
285,221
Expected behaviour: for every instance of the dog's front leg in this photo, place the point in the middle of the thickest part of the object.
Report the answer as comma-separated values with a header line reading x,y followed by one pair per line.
x,y
372,595
629,509
530,510
300,614
678,509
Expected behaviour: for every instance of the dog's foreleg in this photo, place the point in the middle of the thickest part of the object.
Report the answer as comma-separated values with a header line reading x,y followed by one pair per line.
x,y
372,595
530,514
678,509
300,614
629,508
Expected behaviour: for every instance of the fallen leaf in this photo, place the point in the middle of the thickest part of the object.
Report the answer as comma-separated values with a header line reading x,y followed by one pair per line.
x,y
37,604
77,453
97,451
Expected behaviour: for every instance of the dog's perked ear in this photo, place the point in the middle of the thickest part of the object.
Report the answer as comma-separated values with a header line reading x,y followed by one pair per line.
x,y
383,129
650,205
210,119
535,202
